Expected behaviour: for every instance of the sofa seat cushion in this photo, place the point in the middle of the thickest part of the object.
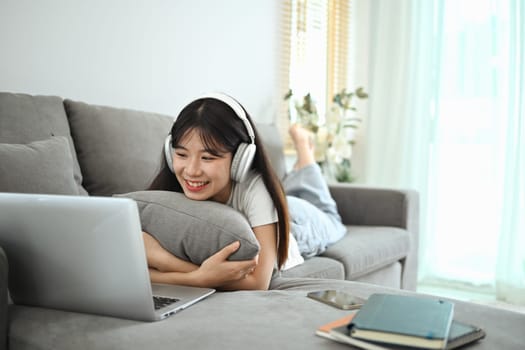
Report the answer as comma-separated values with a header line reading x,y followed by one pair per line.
x,y
367,249
317,267
38,167
275,319
119,150
25,118
194,230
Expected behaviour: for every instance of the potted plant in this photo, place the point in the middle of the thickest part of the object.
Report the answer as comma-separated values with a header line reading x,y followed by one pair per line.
x,y
334,136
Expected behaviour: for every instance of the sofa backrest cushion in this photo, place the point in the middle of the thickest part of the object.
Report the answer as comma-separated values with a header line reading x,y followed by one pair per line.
x,y
38,167
119,150
273,144
25,118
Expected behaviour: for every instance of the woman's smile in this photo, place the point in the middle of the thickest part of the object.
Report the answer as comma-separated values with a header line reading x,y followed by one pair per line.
x,y
195,185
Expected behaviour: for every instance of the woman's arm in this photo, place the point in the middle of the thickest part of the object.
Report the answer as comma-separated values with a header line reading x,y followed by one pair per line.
x,y
214,271
260,278
162,260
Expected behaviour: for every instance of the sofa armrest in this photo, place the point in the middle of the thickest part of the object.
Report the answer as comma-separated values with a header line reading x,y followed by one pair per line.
x,y
3,299
369,206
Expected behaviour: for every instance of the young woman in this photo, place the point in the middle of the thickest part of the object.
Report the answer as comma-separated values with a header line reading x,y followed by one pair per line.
x,y
215,154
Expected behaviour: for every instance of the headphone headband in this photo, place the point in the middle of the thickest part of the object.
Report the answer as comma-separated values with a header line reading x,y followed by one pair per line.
x,y
237,108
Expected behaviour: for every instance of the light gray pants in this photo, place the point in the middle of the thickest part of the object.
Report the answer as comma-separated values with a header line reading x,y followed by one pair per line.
x,y
316,224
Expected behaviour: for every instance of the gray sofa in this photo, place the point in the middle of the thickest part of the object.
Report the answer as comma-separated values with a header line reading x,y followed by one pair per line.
x,y
114,150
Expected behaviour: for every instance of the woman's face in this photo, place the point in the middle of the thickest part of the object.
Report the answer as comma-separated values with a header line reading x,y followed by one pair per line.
x,y
203,175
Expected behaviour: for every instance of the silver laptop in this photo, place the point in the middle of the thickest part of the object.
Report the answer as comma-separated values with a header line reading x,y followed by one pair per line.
x,y
84,254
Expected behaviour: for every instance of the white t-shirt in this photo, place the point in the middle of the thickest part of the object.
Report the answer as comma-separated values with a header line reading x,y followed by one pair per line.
x,y
252,199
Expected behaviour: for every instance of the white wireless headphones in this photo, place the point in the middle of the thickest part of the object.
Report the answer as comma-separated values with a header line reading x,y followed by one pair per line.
x,y
243,158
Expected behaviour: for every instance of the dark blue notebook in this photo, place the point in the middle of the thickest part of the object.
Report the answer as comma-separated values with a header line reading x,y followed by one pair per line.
x,y
460,334
404,320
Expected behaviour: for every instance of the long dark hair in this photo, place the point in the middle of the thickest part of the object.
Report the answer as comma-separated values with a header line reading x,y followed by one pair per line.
x,y
221,129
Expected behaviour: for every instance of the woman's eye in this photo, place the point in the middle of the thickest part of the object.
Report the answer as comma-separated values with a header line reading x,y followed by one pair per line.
x,y
180,155
208,158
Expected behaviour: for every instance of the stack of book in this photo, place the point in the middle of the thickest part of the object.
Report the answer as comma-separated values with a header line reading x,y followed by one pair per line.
x,y
388,321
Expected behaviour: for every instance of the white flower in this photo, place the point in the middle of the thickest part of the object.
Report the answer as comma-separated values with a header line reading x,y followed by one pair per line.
x,y
350,134
340,150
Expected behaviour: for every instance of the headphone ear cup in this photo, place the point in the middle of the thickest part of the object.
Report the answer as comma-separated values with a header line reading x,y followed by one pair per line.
x,y
168,153
242,161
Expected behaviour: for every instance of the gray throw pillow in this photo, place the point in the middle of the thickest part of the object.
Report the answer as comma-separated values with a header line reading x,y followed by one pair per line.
x,y
193,230
38,167
25,118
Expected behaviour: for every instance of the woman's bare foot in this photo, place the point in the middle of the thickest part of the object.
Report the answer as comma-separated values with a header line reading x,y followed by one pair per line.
x,y
304,145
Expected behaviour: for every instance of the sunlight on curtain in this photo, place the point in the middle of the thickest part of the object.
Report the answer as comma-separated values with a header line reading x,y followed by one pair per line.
x,y
476,165
467,159
400,125
447,99
510,273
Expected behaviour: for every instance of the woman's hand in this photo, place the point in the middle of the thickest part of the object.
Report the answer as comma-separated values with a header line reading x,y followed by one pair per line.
x,y
217,270
261,276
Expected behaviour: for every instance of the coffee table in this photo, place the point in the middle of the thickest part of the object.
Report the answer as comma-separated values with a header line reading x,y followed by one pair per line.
x,y
278,319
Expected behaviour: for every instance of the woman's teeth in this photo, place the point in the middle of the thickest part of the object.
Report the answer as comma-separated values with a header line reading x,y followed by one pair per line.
x,y
196,183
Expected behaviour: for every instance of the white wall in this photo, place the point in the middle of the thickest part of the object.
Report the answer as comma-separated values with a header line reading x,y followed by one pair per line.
x,y
153,55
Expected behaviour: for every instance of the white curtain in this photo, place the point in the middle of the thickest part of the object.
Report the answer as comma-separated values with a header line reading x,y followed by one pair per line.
x,y
510,272
447,117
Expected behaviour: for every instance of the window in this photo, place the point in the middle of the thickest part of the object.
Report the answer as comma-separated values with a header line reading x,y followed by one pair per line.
x,y
314,52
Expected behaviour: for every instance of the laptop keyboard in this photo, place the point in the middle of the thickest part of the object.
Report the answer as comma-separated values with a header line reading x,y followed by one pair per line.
x,y
160,302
